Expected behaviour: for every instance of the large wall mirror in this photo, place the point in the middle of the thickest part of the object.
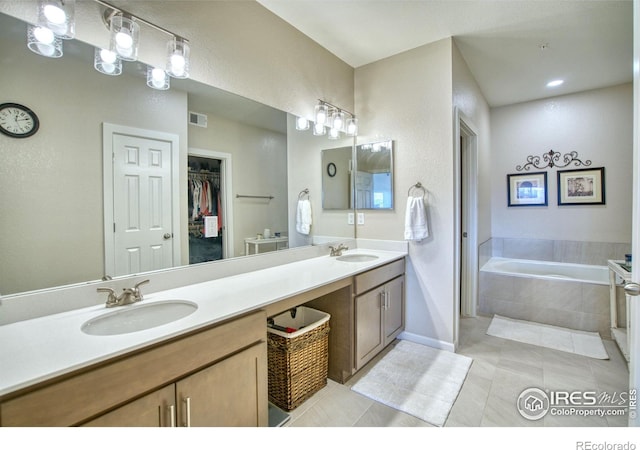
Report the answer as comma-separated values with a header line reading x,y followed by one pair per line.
x,y
374,175
337,179
52,192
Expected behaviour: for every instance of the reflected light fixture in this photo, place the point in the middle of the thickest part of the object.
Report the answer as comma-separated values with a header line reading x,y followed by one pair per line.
x,y
107,62
334,133
319,129
125,33
302,123
58,16
43,41
157,78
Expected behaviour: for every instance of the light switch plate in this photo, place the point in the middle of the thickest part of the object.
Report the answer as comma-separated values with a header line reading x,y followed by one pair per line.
x,y
350,219
360,218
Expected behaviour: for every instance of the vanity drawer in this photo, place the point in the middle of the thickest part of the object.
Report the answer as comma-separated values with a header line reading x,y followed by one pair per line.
x,y
380,275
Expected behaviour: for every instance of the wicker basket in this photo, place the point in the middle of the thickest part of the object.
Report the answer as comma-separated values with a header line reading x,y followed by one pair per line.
x,y
298,361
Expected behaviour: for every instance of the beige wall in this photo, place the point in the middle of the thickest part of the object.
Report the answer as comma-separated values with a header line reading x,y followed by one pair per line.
x,y
407,98
598,125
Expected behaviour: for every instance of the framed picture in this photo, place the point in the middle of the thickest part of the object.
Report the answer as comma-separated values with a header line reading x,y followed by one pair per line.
x,y
581,187
528,189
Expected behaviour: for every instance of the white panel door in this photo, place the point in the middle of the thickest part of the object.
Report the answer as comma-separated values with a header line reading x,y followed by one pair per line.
x,y
142,199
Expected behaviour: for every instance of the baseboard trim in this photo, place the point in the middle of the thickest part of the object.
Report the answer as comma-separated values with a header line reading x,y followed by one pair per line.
x,y
424,340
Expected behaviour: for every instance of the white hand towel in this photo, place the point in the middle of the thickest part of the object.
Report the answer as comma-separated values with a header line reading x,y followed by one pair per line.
x,y
416,227
303,217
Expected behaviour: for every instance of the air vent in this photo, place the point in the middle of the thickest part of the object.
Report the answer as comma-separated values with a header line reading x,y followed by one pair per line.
x,y
197,119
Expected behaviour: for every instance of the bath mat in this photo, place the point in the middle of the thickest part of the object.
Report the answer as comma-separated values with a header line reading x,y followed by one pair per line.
x,y
418,380
583,343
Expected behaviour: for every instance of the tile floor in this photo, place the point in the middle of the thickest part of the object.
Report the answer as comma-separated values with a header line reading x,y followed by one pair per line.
x,y
500,371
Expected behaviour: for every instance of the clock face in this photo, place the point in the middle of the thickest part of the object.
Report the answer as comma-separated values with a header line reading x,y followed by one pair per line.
x,y
17,120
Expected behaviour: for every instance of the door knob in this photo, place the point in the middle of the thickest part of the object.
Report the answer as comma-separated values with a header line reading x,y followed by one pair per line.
x,y
167,236
464,234
632,288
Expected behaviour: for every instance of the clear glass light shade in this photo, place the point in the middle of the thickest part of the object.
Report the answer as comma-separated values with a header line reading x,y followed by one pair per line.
x,y
107,62
44,42
58,16
321,114
334,133
319,129
178,55
157,78
125,34
337,120
302,124
352,126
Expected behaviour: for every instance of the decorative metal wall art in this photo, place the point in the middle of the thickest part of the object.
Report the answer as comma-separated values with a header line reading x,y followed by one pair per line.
x,y
552,158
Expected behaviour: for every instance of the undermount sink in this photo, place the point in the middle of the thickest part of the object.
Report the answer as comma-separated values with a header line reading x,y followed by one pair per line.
x,y
357,257
138,317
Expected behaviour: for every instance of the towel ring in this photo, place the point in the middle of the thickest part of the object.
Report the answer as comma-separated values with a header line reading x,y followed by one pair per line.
x,y
304,192
417,186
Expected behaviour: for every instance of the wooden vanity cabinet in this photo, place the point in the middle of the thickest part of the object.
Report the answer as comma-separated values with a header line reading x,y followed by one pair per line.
x,y
213,377
379,310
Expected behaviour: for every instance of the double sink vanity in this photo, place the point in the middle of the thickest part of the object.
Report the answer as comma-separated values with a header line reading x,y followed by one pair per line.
x,y
194,355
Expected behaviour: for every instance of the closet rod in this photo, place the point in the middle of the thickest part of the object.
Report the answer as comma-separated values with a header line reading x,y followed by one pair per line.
x,y
255,196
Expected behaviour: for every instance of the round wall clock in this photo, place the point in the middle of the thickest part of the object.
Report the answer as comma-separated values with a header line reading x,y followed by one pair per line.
x,y
331,169
18,121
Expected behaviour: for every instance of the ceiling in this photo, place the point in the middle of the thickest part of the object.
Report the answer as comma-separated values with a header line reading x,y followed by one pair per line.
x,y
588,43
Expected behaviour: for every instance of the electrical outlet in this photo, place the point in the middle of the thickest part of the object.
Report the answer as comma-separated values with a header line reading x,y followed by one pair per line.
x,y
350,219
360,218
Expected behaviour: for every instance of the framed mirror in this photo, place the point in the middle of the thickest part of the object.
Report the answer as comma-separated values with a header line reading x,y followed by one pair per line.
x,y
373,184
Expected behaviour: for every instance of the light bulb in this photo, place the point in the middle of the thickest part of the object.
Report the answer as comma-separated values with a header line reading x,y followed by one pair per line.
x,y
334,133
55,14
318,129
321,114
352,126
108,56
157,77
44,35
302,123
124,40
177,65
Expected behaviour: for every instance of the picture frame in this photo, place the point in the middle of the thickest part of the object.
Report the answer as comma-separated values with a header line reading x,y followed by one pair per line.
x,y
527,189
581,187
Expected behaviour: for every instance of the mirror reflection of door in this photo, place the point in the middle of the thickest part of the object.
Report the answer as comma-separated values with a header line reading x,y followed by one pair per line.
x,y
143,236
205,209
374,175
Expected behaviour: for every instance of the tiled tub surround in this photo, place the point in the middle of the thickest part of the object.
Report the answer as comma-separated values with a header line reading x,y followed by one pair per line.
x,y
571,304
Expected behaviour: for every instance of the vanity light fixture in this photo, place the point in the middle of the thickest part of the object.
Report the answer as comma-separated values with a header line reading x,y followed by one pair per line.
x,y
333,117
107,62
43,41
157,78
58,16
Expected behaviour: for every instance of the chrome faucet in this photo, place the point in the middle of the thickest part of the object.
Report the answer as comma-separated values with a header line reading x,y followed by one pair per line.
x,y
337,251
128,296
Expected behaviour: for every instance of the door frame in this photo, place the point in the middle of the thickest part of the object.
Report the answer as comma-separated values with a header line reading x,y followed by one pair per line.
x,y
634,313
108,131
464,128
226,184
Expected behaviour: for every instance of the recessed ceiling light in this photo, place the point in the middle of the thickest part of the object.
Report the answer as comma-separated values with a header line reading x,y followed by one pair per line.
x,y
555,83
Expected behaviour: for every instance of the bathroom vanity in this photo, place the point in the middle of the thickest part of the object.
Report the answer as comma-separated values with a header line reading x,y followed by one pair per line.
x,y
206,369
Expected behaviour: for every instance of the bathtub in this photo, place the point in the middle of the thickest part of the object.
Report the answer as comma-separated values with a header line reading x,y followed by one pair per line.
x,y
548,270
568,295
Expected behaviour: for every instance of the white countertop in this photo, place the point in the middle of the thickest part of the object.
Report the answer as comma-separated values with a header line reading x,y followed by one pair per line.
x,y
35,350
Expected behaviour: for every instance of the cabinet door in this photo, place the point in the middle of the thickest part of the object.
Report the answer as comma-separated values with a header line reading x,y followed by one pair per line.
x,y
156,409
230,393
394,311
369,339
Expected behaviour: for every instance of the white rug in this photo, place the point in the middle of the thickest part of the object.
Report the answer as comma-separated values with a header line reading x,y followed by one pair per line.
x,y
416,379
583,343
